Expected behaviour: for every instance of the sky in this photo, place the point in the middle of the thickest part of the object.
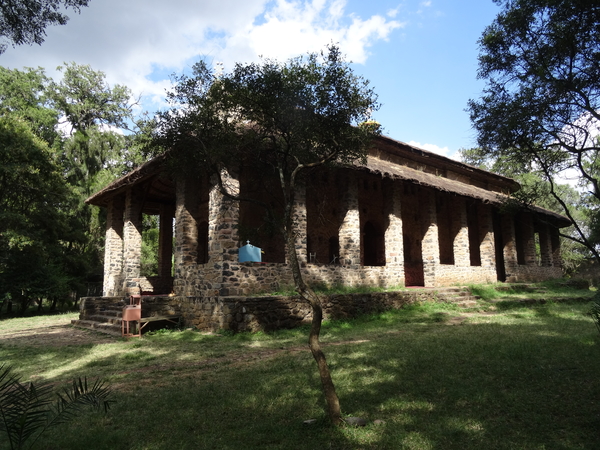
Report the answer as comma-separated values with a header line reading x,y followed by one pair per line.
x,y
420,56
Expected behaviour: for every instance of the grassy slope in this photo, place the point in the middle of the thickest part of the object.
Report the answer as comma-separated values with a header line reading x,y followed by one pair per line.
x,y
503,376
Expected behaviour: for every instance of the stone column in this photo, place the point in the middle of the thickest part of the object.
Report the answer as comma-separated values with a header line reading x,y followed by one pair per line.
x,y
350,228
165,241
113,249
300,223
528,239
555,244
545,245
486,231
394,251
132,242
430,247
510,247
461,240
223,240
186,228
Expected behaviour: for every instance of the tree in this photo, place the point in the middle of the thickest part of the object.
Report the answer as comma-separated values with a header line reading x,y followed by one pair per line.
x,y
285,119
93,151
25,94
35,203
50,240
541,104
25,21
96,113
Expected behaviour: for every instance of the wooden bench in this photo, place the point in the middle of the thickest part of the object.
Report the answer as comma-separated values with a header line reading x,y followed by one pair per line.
x,y
146,320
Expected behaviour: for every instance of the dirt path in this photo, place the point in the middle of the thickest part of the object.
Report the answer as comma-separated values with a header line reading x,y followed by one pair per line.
x,y
59,332
52,332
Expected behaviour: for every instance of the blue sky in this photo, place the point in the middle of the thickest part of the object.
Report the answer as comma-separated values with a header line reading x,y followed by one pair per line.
x,y
420,55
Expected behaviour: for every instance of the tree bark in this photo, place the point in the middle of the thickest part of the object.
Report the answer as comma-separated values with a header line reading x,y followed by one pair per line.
x,y
333,403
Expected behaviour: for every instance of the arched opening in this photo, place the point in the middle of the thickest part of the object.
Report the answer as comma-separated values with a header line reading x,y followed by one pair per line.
x,y
373,245
203,242
334,250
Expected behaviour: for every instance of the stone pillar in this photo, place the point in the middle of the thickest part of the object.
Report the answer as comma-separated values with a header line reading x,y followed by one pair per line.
x,y
300,223
461,240
510,247
350,228
394,251
486,231
113,249
132,241
545,245
165,241
186,228
555,244
528,238
223,234
430,247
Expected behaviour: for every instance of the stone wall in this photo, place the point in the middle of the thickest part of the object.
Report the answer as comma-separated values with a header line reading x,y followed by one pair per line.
x,y
113,248
535,273
91,306
352,228
271,312
447,275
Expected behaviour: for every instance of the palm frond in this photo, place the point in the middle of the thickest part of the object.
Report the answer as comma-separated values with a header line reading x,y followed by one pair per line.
x,y
594,312
27,410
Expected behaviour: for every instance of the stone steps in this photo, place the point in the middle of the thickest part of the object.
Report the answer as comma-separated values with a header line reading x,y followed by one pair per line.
x,y
460,296
107,320
102,327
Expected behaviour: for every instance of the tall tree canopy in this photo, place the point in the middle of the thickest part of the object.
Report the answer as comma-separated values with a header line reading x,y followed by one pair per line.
x,y
35,203
96,113
25,21
50,240
541,105
284,119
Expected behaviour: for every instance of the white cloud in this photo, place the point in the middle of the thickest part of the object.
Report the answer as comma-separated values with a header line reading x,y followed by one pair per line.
x,y
444,151
293,28
140,42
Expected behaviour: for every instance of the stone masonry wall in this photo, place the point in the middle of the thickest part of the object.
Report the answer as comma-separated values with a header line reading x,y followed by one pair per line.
x,y
271,312
394,205
132,240
113,249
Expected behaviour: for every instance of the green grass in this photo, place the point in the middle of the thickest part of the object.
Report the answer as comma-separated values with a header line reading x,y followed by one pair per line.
x,y
439,377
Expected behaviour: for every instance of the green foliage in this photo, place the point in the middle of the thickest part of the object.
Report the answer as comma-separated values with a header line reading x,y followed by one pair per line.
x,y
149,261
287,116
324,288
88,101
485,292
594,311
25,21
34,205
50,240
95,111
28,410
24,94
539,109
520,378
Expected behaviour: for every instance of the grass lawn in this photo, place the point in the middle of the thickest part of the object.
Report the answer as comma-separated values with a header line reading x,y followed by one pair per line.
x,y
501,375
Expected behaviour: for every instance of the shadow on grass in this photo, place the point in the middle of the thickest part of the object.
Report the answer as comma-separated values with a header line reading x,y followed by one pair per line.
x,y
532,384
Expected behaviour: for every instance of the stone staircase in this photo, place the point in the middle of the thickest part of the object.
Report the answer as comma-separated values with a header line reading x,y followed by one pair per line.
x,y
459,295
106,320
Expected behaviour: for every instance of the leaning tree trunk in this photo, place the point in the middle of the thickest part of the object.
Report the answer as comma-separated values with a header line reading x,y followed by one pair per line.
x,y
333,403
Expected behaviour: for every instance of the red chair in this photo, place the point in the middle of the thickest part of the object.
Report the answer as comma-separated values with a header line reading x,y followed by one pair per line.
x,y
130,323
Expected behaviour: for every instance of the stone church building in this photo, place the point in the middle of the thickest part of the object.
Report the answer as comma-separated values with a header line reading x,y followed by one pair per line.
x,y
407,217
